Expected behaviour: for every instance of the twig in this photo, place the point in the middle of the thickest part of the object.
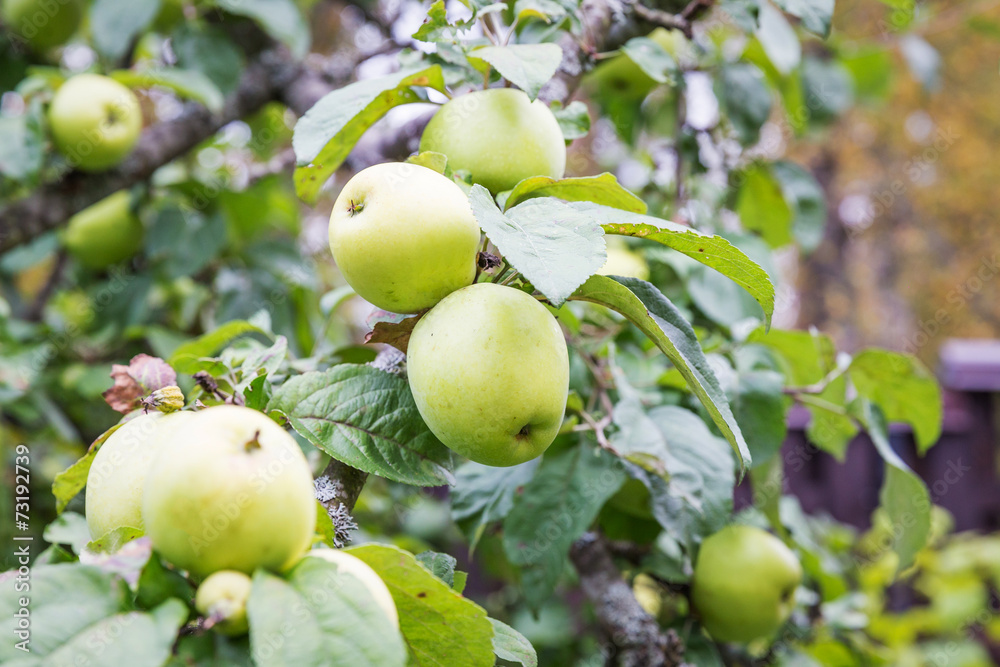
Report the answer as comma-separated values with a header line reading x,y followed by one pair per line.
x,y
34,313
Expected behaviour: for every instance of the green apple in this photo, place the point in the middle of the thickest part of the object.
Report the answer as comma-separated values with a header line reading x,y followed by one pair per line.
x,y
404,236
44,24
222,598
118,473
624,262
498,135
95,121
621,78
489,372
105,233
231,491
744,583
360,570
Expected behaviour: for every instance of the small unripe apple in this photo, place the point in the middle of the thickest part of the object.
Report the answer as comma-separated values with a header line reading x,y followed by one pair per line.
x,y
404,236
230,491
95,121
624,262
105,233
118,473
222,598
489,372
744,583
44,24
500,136
360,570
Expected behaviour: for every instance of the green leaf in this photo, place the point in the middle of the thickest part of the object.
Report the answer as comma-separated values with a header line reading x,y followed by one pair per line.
x,y
746,99
76,618
440,565
69,528
441,628
574,120
511,645
903,388
281,19
713,251
651,58
806,200
22,141
719,298
644,306
436,27
191,84
527,66
778,39
601,189
318,617
69,482
904,496
759,405
158,584
827,88
554,508
114,540
546,10
816,15
209,50
436,161
115,23
831,430
262,359
805,359
700,473
184,359
552,244
327,133
484,494
742,12
762,207
333,409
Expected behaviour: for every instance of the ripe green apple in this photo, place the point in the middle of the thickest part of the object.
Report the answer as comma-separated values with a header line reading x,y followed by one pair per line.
x,y
404,236
95,121
222,598
105,233
118,473
744,583
363,572
624,262
231,491
489,372
498,135
44,24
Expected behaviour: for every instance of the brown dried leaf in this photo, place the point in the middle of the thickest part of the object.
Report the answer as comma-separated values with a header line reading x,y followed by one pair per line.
x,y
396,334
143,375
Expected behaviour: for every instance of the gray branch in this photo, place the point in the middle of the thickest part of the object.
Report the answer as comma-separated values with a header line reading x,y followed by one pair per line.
x,y
636,640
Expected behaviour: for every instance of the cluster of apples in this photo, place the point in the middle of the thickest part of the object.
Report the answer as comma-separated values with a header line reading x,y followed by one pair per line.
x,y
487,364
220,493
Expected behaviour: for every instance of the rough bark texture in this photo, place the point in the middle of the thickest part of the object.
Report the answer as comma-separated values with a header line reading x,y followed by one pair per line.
x,y
635,639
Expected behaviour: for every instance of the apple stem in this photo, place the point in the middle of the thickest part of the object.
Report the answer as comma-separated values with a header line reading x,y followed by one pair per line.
x,y
355,208
253,443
